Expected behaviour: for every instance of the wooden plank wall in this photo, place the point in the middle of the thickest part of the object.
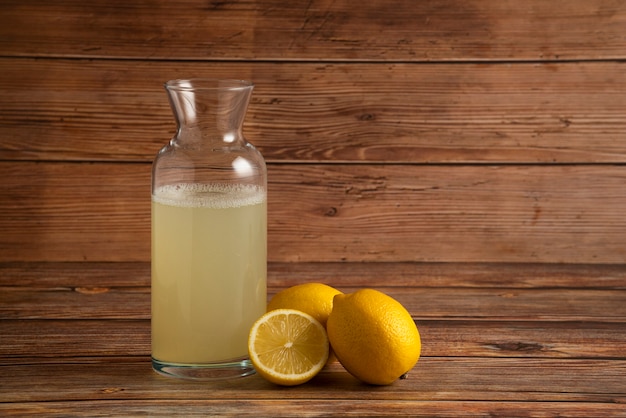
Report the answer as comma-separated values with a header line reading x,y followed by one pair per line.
x,y
481,131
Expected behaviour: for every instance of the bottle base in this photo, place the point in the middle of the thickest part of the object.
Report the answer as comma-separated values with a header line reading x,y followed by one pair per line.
x,y
212,371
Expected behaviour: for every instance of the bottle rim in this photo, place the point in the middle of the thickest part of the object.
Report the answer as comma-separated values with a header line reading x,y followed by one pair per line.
x,y
191,84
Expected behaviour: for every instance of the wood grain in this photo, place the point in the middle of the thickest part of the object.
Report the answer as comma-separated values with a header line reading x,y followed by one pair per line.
x,y
314,408
486,350
65,339
458,275
433,378
435,30
554,214
325,112
428,304
339,274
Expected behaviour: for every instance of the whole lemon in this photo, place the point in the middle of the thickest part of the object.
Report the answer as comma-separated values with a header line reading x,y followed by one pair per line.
x,y
373,336
315,299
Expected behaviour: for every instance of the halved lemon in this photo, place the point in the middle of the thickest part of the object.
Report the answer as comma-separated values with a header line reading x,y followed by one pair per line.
x,y
288,347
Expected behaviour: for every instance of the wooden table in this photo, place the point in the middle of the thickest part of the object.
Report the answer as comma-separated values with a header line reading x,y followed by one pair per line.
x,y
550,344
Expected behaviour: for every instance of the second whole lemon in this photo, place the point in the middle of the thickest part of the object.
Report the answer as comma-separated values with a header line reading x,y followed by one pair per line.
x,y
373,336
315,299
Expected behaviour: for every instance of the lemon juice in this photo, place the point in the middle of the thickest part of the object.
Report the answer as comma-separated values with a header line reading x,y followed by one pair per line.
x,y
208,271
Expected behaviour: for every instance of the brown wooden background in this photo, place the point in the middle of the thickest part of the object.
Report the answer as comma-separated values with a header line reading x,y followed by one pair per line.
x,y
407,131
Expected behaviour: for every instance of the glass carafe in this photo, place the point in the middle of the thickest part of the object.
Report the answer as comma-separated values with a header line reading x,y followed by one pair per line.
x,y
209,234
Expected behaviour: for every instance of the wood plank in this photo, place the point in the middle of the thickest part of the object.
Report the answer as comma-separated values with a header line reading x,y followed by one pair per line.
x,y
423,303
24,340
63,339
438,30
433,379
75,274
102,214
525,113
311,408
502,275
75,303
538,214
375,274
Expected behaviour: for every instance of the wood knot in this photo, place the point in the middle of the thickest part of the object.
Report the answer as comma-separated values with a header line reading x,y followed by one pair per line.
x,y
91,290
332,211
518,347
112,390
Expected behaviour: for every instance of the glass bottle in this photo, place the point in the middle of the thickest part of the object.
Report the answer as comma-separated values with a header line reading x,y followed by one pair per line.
x,y
209,234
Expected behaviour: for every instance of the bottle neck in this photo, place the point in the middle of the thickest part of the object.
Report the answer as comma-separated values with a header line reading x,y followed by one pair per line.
x,y
209,110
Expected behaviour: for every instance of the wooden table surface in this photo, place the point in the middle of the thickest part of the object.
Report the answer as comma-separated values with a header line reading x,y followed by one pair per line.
x,y
553,345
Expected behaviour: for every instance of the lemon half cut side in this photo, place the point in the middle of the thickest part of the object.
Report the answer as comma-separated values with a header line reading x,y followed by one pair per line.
x,y
288,347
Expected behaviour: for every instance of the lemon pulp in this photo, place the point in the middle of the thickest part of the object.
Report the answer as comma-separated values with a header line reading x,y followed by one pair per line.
x,y
288,347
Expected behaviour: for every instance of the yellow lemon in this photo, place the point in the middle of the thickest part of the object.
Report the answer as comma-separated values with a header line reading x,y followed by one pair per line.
x,y
316,299
288,347
373,336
